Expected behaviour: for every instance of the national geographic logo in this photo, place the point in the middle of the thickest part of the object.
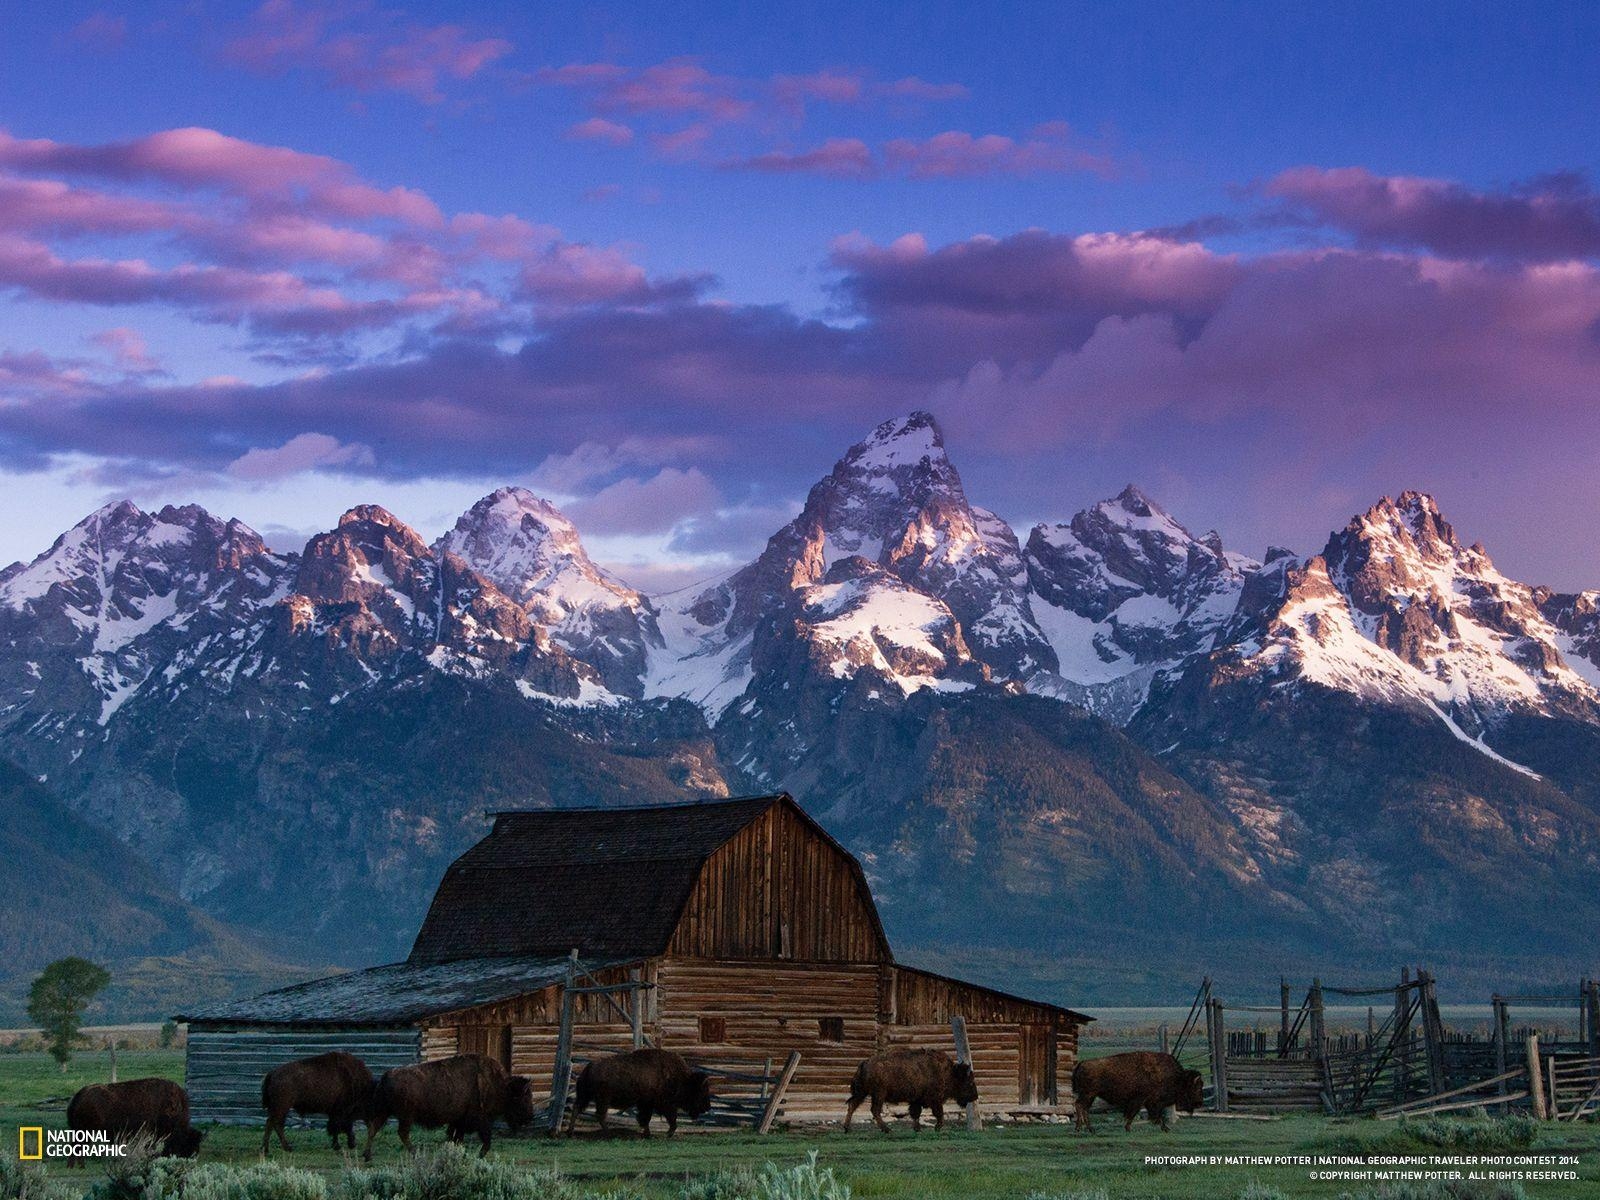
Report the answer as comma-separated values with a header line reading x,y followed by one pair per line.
x,y
34,1144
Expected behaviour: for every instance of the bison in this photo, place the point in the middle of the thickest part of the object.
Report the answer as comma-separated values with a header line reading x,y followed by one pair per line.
x,y
1139,1079
463,1094
335,1084
648,1081
920,1078
157,1107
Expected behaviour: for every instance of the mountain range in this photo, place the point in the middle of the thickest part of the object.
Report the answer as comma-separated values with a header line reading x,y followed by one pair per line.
x,y
1094,761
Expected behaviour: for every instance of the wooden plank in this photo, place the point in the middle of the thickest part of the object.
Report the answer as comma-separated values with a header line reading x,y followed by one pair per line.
x,y
1451,1106
958,1026
1403,1109
775,1101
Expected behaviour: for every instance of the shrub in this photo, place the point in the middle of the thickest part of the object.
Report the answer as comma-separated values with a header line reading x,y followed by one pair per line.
x,y
1256,1190
24,1181
1439,1190
1097,1194
737,1184
805,1181
1480,1132
451,1173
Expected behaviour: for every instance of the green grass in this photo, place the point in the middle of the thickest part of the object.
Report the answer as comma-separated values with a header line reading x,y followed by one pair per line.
x,y
1001,1162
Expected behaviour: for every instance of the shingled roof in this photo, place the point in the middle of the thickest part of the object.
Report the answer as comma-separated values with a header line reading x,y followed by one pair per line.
x,y
397,994
611,882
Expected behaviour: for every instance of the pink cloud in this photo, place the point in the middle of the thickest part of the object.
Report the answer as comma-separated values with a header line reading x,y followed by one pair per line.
x,y
958,155
838,158
301,453
363,49
1549,219
641,506
101,31
571,274
598,129
128,350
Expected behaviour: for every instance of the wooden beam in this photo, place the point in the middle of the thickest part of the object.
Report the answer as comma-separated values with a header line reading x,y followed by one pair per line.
x,y
1541,1106
1449,1106
958,1026
770,1113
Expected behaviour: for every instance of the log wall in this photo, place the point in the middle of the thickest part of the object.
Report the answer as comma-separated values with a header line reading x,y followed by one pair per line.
x,y
223,1068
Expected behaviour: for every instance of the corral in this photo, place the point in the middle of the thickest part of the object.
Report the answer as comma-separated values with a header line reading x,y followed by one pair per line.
x,y
736,932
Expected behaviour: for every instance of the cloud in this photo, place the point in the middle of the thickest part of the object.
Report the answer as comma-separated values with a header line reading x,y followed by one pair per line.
x,y
837,158
128,350
301,453
1550,219
645,506
363,49
949,155
955,154
101,31
598,129
279,240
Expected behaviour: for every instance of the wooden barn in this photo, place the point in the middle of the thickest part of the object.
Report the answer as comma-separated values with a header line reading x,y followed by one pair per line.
x,y
743,930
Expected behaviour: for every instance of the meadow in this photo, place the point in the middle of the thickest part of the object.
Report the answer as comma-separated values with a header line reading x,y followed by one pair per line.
x,y
1048,1162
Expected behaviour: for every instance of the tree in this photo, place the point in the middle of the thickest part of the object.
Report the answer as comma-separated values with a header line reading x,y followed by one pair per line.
x,y
169,1034
58,999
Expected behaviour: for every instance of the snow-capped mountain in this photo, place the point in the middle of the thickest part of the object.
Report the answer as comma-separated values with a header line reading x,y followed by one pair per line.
x,y
269,729
528,549
1124,591
94,619
886,561
1396,611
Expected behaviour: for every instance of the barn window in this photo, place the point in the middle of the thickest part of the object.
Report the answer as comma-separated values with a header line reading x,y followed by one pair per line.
x,y
713,1029
831,1029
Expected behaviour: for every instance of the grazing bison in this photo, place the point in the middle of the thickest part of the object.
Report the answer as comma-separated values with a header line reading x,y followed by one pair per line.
x,y
335,1084
157,1107
648,1081
463,1094
1140,1079
920,1078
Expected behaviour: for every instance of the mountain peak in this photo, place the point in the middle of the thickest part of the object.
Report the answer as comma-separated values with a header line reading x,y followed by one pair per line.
x,y
1134,499
904,441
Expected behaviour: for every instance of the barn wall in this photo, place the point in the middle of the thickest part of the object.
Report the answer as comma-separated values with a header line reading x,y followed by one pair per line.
x,y
779,890
768,1010
223,1068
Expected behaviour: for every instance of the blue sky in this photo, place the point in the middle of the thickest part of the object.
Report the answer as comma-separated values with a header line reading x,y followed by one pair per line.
x,y
1372,263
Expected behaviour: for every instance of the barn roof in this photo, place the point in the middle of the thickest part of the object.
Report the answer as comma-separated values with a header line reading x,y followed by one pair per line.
x,y
396,994
611,882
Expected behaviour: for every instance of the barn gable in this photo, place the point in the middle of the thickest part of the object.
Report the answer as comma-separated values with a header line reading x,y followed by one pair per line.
x,y
631,882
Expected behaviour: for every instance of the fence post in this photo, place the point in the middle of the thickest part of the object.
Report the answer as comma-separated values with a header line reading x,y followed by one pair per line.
x,y
561,1075
958,1026
769,1114
1219,1054
636,1008
1594,1017
1541,1109
1502,1038
1432,1031
1402,1035
1319,1029
1283,1017
1165,1048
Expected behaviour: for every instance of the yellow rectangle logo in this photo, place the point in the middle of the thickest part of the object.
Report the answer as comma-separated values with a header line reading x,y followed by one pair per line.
x,y
38,1143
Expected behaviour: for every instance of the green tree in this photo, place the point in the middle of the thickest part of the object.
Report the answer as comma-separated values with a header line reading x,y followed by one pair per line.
x,y
169,1034
57,1001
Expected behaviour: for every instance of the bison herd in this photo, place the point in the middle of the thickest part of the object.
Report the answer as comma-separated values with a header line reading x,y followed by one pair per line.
x,y
469,1093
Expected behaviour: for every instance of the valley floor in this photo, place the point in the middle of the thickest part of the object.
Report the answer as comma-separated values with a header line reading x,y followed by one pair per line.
x,y
1043,1161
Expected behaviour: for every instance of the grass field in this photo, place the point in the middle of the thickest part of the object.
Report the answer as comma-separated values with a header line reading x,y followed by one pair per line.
x,y
1013,1161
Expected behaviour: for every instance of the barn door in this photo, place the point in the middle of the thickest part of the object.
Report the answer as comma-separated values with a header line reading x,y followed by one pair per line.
x,y
491,1041
1036,1064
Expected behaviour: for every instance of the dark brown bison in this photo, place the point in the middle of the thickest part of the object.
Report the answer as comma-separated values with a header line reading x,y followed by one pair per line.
x,y
334,1084
648,1081
464,1094
919,1078
1139,1079
157,1107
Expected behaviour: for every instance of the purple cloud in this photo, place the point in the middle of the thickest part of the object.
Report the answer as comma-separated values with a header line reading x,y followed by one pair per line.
x,y
363,49
1549,219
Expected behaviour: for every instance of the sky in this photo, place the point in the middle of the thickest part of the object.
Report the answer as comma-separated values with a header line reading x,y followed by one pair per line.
x,y
663,263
